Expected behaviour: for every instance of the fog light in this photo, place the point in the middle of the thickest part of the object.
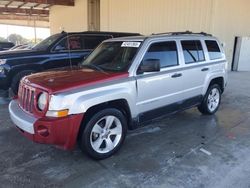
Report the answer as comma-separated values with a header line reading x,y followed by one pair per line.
x,y
43,131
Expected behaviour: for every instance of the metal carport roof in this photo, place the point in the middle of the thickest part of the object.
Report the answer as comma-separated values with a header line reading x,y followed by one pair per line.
x,y
29,9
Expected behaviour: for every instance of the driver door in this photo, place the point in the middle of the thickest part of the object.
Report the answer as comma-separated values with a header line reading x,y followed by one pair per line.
x,y
159,89
69,51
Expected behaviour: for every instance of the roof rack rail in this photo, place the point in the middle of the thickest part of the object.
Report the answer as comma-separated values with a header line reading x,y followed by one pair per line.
x,y
183,33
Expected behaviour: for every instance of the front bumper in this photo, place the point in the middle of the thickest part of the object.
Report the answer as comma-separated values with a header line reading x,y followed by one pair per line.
x,y
61,132
22,120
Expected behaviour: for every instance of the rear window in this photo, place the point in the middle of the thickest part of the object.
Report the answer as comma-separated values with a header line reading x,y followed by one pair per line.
x,y
166,52
213,49
193,51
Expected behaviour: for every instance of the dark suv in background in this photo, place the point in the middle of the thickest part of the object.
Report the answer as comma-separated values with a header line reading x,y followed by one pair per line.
x,y
6,45
59,50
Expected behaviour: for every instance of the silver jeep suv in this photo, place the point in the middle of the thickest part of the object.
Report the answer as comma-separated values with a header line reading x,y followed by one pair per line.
x,y
122,84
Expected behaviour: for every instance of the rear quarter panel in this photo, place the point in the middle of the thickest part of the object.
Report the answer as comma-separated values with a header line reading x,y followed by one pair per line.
x,y
218,69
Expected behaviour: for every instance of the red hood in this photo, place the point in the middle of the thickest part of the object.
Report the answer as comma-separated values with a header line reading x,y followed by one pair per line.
x,y
58,81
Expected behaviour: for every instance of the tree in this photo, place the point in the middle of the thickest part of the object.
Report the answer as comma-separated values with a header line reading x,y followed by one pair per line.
x,y
2,39
17,39
32,41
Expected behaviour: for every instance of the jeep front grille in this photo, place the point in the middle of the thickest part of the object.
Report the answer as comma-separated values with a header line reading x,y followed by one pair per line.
x,y
26,96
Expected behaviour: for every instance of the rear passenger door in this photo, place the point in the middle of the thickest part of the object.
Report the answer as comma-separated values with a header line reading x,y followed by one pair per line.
x,y
159,89
195,68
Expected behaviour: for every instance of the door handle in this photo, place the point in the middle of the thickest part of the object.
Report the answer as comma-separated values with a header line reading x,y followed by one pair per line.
x,y
204,69
176,75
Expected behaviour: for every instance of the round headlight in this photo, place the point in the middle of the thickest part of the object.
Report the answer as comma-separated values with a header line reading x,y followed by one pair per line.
x,y
42,101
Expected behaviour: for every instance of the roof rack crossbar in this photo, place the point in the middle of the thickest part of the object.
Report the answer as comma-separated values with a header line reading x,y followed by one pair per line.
x,y
183,33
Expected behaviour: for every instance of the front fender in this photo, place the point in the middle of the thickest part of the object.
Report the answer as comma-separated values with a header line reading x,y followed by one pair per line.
x,y
80,102
83,103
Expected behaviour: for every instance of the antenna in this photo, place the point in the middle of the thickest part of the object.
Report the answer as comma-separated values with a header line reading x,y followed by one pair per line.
x,y
70,58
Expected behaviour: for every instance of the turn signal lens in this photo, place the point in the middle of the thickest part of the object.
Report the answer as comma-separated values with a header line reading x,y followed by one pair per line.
x,y
60,113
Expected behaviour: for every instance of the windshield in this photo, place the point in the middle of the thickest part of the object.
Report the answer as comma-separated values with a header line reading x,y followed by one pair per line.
x,y
45,44
113,56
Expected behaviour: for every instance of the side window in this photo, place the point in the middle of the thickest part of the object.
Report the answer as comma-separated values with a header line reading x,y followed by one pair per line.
x,y
91,42
193,51
72,42
213,49
166,52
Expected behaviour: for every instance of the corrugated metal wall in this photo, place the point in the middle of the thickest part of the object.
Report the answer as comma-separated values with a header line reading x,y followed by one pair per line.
x,y
69,18
149,16
223,18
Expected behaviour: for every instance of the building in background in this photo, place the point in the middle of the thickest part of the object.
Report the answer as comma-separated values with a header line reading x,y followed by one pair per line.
x,y
226,19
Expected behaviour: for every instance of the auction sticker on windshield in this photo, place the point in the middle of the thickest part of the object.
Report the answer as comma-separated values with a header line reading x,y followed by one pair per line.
x,y
131,44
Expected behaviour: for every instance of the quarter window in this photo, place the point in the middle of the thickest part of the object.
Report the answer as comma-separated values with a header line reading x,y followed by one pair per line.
x,y
166,52
193,51
213,49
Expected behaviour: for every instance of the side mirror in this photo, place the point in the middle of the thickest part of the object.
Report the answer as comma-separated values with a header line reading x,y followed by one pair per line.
x,y
149,65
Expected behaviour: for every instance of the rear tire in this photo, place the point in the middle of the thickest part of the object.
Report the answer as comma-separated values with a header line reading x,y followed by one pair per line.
x,y
103,134
211,100
16,80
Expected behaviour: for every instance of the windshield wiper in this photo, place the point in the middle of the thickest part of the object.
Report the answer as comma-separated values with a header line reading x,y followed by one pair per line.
x,y
95,67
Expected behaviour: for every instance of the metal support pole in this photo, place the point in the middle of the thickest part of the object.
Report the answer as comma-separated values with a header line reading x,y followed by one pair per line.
x,y
35,31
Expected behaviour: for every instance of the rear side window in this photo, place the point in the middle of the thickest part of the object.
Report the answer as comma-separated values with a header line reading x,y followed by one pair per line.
x,y
166,52
91,42
193,51
213,49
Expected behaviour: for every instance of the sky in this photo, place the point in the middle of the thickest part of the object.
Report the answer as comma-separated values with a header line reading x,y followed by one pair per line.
x,y
26,32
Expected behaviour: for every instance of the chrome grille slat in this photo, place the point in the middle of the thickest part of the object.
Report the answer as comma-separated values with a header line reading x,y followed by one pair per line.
x,y
32,101
26,98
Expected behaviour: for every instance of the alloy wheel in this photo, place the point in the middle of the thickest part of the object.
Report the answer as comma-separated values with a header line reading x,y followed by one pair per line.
x,y
106,134
213,100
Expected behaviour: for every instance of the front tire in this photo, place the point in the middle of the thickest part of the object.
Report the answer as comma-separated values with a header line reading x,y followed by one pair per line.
x,y
104,134
16,80
211,100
